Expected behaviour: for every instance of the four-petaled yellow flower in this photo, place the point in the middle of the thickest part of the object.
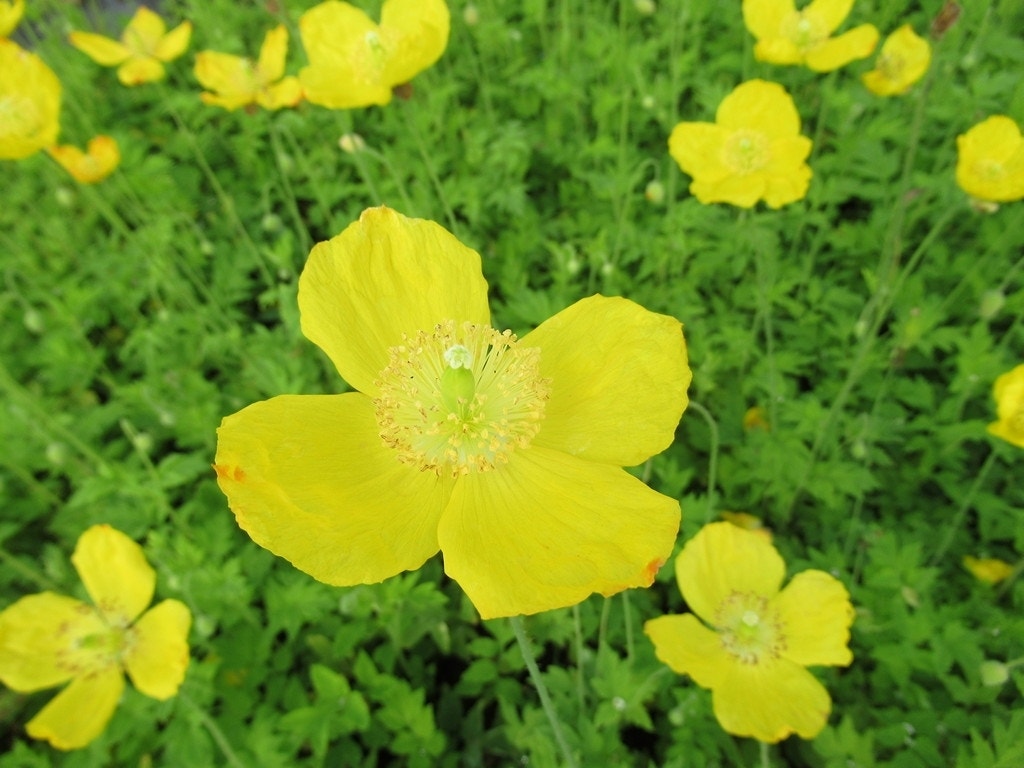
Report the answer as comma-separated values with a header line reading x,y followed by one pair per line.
x,y
29,103
10,15
753,652
238,82
990,570
1009,395
788,36
903,60
753,151
95,164
49,639
990,162
144,47
503,453
354,62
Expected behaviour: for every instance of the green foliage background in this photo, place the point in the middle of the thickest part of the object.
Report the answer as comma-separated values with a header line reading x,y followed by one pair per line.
x,y
869,321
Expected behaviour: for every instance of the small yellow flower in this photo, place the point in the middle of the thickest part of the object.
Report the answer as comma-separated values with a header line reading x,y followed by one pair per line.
x,y
238,82
788,36
903,60
95,164
756,417
990,162
49,639
10,15
753,151
144,47
1008,392
502,453
747,522
354,62
988,569
756,641
29,103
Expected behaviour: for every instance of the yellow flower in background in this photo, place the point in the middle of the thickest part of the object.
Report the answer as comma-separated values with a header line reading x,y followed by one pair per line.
x,y
988,569
354,62
990,160
753,151
29,103
502,453
1008,392
144,47
747,522
903,60
787,36
49,639
99,160
237,81
755,641
10,15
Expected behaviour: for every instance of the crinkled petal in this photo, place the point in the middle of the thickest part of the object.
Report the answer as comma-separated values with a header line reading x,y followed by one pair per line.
x,y
10,15
722,559
174,43
144,31
309,479
158,657
831,13
140,70
102,50
385,276
770,701
618,380
764,18
30,85
273,53
697,148
839,51
760,105
115,573
77,715
547,530
232,79
742,191
690,648
816,615
415,34
33,633
286,93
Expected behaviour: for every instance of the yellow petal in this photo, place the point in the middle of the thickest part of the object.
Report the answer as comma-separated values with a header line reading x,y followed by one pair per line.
x,y
837,52
33,636
414,34
764,18
31,92
697,148
618,380
742,191
309,479
816,614
770,701
79,713
903,61
787,175
174,43
760,105
158,656
286,93
991,570
273,53
722,559
94,165
385,276
547,530
10,15
139,71
831,13
778,50
690,648
115,573
100,49
232,79
144,31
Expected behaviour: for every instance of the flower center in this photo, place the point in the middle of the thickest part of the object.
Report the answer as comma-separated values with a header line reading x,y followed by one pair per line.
x,y
89,644
991,171
750,628
19,117
746,151
806,31
460,398
891,66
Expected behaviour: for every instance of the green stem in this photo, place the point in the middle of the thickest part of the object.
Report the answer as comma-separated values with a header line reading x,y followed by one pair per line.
x,y
215,732
765,761
542,691
712,458
421,146
953,526
31,574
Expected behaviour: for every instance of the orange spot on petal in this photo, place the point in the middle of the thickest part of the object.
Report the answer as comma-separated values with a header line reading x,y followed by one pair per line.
x,y
651,570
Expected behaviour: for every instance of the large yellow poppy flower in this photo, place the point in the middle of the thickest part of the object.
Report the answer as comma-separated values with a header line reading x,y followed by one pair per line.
x,y
29,103
756,640
48,639
234,81
505,454
990,160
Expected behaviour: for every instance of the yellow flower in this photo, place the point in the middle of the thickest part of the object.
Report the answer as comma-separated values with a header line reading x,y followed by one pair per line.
x,y
95,164
502,453
990,162
29,103
788,36
10,15
760,640
355,63
144,47
747,522
988,569
238,82
753,151
49,639
902,62
1008,392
